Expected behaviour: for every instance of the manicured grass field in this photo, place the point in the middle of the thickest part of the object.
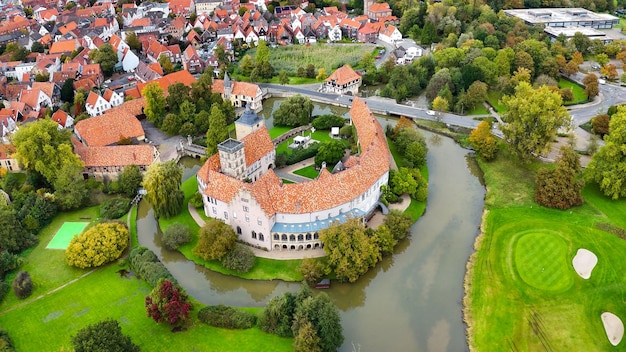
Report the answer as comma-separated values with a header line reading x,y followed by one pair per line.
x,y
522,292
478,110
329,56
48,323
320,136
64,235
278,130
542,261
310,171
578,91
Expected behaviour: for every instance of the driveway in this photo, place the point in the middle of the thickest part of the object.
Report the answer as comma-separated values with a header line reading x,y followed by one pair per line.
x,y
164,143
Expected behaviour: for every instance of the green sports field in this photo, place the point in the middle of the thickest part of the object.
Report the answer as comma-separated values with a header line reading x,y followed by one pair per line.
x,y
64,235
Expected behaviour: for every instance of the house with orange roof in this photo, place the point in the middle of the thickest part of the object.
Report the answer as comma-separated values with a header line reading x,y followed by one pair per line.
x,y
267,213
182,8
7,158
68,27
35,99
206,6
96,105
109,128
63,119
164,82
93,70
86,84
192,62
194,39
113,98
156,49
107,163
378,10
240,94
368,33
51,89
350,28
45,16
64,46
390,34
176,27
343,81
8,122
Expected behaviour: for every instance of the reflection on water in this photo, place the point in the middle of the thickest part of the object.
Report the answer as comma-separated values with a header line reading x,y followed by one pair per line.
x,y
408,302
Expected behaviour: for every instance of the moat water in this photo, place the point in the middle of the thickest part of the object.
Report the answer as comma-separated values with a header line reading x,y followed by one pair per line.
x,y
410,301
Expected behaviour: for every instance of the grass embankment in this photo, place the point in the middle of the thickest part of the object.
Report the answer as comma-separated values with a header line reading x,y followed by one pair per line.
x,y
578,91
327,56
415,209
264,269
63,302
522,292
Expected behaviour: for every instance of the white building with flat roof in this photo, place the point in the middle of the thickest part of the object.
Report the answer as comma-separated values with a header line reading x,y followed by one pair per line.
x,y
564,17
569,32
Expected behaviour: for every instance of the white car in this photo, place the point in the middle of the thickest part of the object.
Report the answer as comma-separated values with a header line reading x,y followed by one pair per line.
x,y
430,112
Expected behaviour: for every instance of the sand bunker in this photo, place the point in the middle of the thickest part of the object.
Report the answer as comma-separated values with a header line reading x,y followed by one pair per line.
x,y
614,327
584,262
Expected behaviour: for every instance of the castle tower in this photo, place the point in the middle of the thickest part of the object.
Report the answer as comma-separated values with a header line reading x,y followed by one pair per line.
x,y
228,88
366,6
248,123
232,158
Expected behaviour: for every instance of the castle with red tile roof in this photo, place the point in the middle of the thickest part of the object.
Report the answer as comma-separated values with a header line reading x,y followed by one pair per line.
x,y
277,216
240,94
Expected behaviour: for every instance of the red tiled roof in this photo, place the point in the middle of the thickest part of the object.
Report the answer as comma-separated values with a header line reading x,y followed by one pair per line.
x,y
343,75
60,117
109,128
183,77
379,7
30,97
116,155
326,192
46,87
68,27
92,98
63,46
238,88
256,145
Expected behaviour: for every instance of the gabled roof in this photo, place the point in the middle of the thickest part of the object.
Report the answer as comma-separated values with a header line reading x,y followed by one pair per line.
x,y
92,98
183,77
30,97
379,7
343,75
60,117
109,128
256,145
68,27
116,155
238,88
46,87
64,46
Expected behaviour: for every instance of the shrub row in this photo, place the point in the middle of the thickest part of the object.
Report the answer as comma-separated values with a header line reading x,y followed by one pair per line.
x,y
147,266
222,316
300,154
325,122
114,208
241,259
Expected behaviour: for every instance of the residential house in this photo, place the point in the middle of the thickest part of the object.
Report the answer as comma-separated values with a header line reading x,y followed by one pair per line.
x,y
51,89
183,8
107,163
240,94
7,158
176,27
64,47
164,82
206,6
8,122
146,73
192,61
376,11
334,33
96,105
127,57
63,119
368,33
35,99
156,49
390,34
113,98
350,28
343,81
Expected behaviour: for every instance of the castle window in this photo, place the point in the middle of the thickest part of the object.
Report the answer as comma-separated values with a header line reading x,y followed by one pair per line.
x,y
276,237
234,215
261,237
300,238
247,218
284,237
254,235
238,230
292,238
226,215
245,208
308,236
214,210
258,221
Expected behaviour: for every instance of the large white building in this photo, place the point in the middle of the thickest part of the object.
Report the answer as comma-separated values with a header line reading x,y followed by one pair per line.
x,y
240,187
564,17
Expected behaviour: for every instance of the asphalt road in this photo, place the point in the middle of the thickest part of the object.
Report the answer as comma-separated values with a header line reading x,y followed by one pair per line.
x,y
610,94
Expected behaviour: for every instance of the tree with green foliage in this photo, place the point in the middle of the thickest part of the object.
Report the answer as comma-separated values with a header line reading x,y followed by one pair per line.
x,y
162,183
201,122
166,63
13,237
246,65
114,208
176,235
133,41
23,285
37,47
398,223
240,259
262,53
104,336
171,124
169,303
67,90
592,87
130,180
218,130
440,104
70,189
310,71
106,57
560,188
100,244
429,34
312,270
608,166
483,141
177,93
43,147
476,94
306,340
155,103
351,252
295,111
330,152
384,239
533,118
283,77
323,316
216,239
600,124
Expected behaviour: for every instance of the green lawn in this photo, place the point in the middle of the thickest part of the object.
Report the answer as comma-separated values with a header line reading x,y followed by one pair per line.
x,y
321,136
278,130
416,209
479,110
493,97
579,92
329,56
523,293
286,181
48,323
295,80
310,171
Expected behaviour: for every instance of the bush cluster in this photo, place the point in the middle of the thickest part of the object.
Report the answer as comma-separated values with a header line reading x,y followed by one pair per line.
x,y
222,316
241,259
147,266
6,345
114,208
196,200
98,245
8,262
23,285
300,154
4,289
176,235
325,122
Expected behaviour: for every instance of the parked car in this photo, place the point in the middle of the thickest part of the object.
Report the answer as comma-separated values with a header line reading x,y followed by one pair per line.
x,y
430,112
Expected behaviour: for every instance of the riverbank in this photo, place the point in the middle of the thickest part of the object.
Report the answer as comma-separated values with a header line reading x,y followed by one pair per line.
x,y
521,291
